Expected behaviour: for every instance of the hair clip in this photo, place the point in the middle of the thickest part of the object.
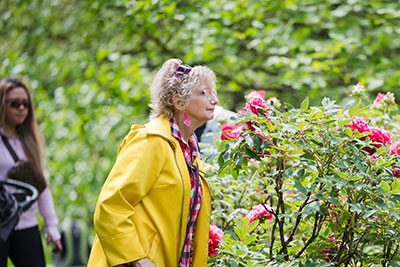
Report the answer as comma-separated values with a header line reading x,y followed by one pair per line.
x,y
182,69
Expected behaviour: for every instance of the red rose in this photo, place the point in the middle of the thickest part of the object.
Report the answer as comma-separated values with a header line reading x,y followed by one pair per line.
x,y
258,211
215,238
379,97
360,124
231,131
396,171
395,148
379,135
255,105
255,94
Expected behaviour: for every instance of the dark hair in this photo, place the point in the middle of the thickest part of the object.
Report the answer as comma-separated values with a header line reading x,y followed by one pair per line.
x,y
28,132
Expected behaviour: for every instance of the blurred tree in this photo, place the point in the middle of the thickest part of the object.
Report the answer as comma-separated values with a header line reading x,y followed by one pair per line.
x,y
89,64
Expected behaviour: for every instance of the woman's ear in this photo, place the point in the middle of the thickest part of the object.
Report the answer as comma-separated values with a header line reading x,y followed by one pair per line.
x,y
178,103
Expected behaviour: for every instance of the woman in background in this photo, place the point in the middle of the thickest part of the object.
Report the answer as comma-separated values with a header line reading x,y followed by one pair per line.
x,y
154,208
19,128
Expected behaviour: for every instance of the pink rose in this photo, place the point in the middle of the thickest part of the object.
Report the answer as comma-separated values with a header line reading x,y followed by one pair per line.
x,y
215,238
379,135
379,97
360,124
395,148
258,211
231,131
255,105
255,94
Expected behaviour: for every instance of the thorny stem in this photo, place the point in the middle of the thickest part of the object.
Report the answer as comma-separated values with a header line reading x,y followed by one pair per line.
x,y
319,219
298,218
280,207
395,252
271,246
348,236
281,221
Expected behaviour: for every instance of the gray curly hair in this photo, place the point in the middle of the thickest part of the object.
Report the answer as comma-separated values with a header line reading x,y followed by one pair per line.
x,y
166,85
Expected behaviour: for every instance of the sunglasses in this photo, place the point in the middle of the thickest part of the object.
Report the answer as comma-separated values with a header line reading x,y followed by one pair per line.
x,y
182,69
16,103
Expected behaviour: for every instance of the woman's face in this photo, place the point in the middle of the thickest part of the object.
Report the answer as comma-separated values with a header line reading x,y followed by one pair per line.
x,y
17,104
202,103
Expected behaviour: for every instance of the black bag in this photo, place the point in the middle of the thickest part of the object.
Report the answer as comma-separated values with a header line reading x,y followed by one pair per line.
x,y
23,170
13,203
9,214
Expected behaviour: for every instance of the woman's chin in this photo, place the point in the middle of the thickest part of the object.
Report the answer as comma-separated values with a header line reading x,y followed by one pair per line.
x,y
211,116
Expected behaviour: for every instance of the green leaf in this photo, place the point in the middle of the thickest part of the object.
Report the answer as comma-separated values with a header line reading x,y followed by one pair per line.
x,y
349,132
396,184
385,186
299,174
253,225
249,141
313,207
395,192
227,238
357,207
369,213
300,187
221,158
241,233
354,109
242,222
234,171
354,178
301,124
333,200
249,240
342,122
240,252
305,104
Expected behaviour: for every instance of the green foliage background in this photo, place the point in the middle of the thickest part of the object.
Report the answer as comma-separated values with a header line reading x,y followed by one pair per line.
x,y
90,63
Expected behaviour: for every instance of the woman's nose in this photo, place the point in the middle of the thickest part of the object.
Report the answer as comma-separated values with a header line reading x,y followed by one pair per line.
x,y
214,99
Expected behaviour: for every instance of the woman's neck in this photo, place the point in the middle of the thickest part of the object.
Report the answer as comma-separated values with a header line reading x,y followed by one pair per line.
x,y
10,131
186,131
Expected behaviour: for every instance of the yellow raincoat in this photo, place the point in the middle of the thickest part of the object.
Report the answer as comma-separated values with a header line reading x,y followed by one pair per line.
x,y
143,207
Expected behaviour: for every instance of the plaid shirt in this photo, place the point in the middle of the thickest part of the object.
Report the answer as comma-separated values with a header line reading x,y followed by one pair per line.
x,y
190,152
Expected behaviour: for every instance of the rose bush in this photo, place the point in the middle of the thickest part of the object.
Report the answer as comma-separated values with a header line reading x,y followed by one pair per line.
x,y
322,182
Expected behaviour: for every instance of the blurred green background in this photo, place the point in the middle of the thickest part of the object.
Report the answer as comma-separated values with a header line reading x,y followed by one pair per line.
x,y
89,65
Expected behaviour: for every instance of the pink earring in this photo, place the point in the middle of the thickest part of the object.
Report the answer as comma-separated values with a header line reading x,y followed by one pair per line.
x,y
186,120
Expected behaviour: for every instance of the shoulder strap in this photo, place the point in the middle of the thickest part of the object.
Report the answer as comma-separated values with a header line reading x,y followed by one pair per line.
x,y
12,152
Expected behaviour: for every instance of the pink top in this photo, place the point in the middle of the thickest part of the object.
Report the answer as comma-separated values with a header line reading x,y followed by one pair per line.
x,y
45,201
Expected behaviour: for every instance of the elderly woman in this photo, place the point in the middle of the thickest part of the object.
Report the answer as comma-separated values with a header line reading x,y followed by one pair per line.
x,y
154,208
